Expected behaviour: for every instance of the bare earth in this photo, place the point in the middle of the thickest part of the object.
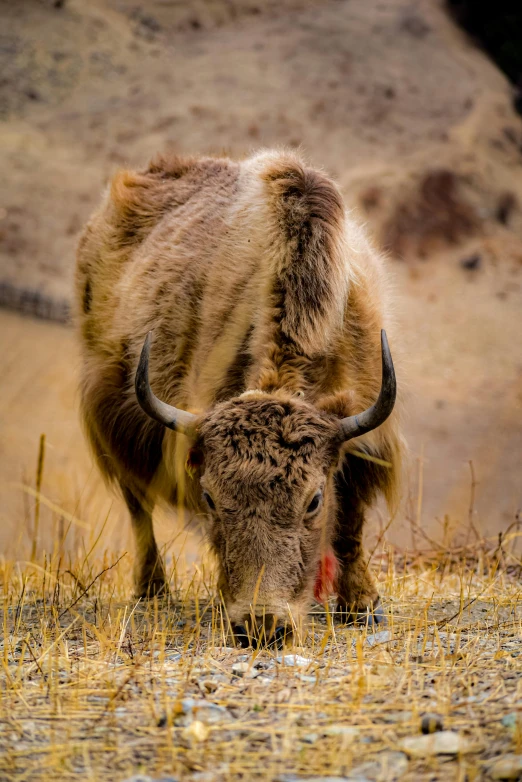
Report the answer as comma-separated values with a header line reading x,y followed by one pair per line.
x,y
390,97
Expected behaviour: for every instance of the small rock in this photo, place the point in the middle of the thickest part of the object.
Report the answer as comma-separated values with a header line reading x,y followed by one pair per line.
x,y
305,677
397,716
445,742
345,734
509,720
139,778
347,731
240,668
472,262
264,665
508,767
431,723
245,671
197,731
293,660
310,738
173,656
297,778
388,765
209,685
205,711
383,636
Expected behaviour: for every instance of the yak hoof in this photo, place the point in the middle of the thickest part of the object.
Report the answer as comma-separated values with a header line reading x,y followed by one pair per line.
x,y
158,587
371,617
281,634
376,617
241,636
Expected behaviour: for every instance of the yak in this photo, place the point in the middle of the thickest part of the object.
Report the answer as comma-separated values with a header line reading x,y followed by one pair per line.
x,y
231,319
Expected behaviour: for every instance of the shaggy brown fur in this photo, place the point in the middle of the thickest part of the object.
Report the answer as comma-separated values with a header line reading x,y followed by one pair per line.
x,y
266,305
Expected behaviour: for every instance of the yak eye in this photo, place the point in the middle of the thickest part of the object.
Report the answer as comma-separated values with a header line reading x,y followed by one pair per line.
x,y
315,503
208,499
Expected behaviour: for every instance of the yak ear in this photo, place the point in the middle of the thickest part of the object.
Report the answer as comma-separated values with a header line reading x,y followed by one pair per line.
x,y
195,456
340,404
194,461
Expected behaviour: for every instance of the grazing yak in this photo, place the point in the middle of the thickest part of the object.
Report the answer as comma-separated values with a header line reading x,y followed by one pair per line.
x,y
230,316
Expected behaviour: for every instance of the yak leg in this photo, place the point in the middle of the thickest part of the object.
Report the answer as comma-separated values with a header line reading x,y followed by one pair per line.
x,y
357,596
149,573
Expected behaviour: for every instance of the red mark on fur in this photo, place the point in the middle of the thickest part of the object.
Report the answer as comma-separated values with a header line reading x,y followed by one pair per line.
x,y
325,579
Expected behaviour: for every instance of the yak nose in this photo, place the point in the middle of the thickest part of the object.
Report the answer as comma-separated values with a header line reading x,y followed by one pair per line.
x,y
260,631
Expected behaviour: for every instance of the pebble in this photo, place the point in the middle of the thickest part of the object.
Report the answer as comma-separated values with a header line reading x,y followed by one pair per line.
x,y
224,649
209,685
383,636
508,767
310,738
388,765
244,670
196,731
205,776
204,711
263,665
293,660
347,732
431,723
444,742
264,679
142,778
297,778
173,656
509,720
305,677
397,716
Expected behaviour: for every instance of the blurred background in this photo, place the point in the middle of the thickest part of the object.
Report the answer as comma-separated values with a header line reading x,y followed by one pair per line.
x,y
412,105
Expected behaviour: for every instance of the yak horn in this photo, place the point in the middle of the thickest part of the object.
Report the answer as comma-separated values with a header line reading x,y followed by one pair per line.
x,y
355,425
169,416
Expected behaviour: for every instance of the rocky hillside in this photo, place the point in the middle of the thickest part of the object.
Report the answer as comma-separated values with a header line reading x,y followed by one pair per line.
x,y
390,97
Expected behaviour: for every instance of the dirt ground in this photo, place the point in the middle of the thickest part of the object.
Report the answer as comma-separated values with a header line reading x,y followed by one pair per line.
x,y
96,687
390,97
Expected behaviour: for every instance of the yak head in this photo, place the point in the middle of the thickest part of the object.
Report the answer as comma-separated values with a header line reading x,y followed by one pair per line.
x,y
266,465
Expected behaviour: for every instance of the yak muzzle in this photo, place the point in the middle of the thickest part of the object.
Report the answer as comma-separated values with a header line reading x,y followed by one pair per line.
x,y
259,631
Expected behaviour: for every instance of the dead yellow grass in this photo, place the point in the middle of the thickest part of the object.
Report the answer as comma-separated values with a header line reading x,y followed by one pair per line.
x,y
96,686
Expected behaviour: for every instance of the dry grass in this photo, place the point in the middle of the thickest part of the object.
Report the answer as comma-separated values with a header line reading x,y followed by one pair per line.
x,y
95,686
